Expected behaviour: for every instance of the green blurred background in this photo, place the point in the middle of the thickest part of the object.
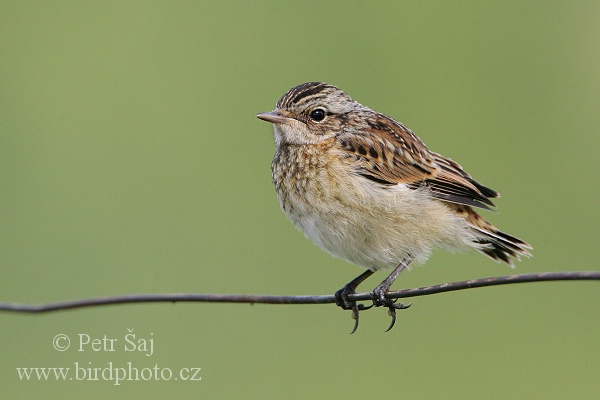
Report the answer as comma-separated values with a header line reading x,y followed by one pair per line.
x,y
131,161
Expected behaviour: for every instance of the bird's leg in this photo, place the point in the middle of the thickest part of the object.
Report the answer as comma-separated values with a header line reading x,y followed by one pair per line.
x,y
342,300
379,298
341,296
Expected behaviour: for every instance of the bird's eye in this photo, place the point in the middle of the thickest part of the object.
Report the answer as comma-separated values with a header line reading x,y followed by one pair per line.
x,y
318,114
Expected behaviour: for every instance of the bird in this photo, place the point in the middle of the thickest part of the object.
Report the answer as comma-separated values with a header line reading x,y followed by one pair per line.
x,y
366,189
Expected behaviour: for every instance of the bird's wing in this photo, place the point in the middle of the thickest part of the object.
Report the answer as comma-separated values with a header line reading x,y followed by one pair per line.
x,y
388,153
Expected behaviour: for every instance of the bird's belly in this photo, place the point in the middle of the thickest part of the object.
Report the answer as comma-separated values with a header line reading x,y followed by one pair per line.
x,y
378,227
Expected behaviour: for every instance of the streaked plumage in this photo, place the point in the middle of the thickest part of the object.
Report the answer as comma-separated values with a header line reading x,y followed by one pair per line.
x,y
366,189
389,194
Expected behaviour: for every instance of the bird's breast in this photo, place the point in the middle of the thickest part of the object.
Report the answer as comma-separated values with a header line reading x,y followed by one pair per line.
x,y
354,218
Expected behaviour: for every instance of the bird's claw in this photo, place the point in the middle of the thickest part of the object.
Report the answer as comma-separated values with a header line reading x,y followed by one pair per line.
x,y
342,300
392,305
356,308
392,312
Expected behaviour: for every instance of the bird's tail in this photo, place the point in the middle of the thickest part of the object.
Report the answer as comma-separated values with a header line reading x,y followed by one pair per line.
x,y
503,247
492,242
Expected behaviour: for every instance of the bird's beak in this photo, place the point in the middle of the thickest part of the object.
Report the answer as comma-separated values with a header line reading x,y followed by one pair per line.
x,y
273,118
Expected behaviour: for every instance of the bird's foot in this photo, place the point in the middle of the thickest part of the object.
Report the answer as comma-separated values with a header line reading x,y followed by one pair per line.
x,y
342,300
379,300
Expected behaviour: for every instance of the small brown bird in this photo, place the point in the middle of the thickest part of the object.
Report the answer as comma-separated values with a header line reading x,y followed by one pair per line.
x,y
366,189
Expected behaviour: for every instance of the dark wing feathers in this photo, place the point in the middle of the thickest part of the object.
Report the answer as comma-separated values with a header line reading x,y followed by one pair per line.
x,y
453,184
389,153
